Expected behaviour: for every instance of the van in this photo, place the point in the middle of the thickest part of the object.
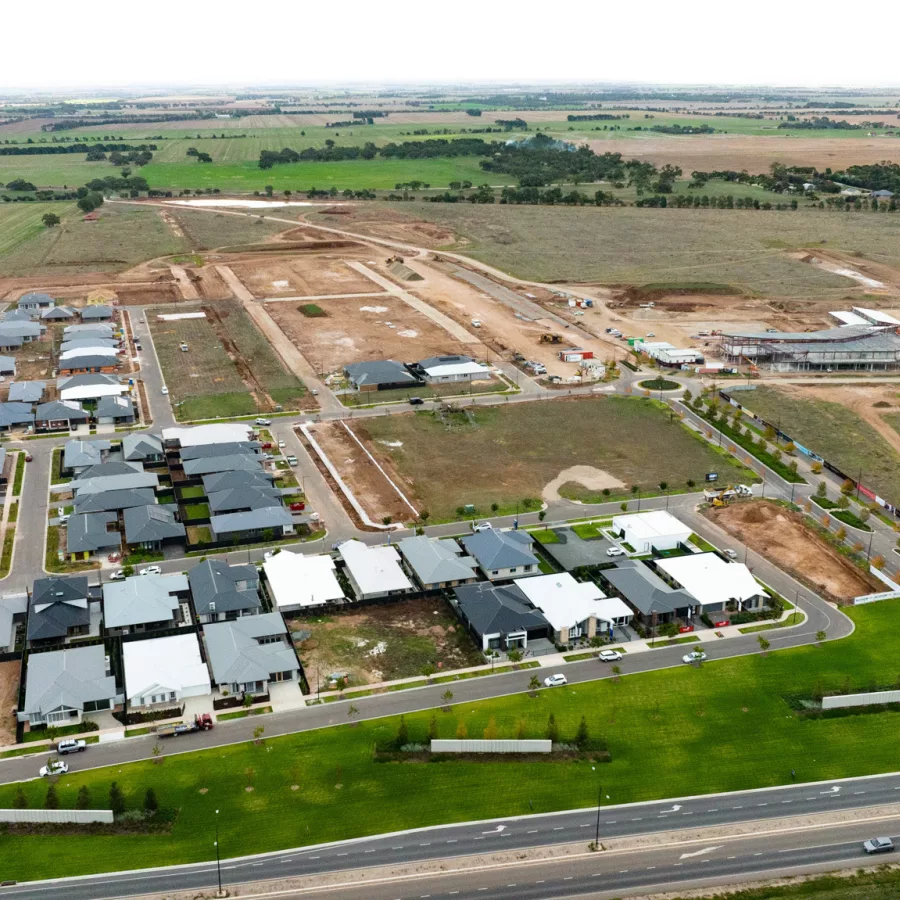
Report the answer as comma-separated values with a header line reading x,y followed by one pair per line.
x,y
476,323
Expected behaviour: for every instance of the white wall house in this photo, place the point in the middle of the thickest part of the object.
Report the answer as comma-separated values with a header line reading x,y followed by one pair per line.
x,y
163,671
713,582
655,530
297,581
374,571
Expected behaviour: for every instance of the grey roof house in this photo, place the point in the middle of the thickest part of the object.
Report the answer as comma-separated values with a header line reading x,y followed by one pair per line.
x,y
151,526
27,391
502,554
437,563
142,448
114,500
226,448
14,333
57,414
81,455
144,602
8,366
226,481
246,654
207,465
15,415
90,533
35,302
252,525
107,469
133,480
63,685
58,608
93,329
88,362
646,593
223,592
97,312
500,616
57,314
380,375
114,409
243,498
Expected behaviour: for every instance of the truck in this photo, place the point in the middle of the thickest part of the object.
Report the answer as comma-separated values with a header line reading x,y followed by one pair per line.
x,y
201,722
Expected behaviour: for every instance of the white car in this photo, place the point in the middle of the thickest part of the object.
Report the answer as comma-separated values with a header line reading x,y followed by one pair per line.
x,y
483,526
555,680
694,656
54,767
71,746
151,570
263,422
609,656
281,443
118,575
165,390
615,551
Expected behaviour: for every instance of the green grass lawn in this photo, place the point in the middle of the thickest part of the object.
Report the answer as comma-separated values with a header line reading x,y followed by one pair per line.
x,y
21,221
195,492
197,510
522,447
833,431
674,732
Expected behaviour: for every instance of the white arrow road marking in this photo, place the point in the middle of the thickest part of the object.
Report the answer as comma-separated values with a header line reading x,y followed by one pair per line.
x,y
834,790
675,808
496,830
702,852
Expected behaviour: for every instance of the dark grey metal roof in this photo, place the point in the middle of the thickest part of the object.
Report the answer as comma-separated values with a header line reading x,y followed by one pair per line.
x,y
12,414
57,410
645,590
67,679
95,312
236,656
380,371
115,407
228,587
151,523
246,497
90,532
114,500
57,604
141,446
86,379
451,359
225,481
83,453
493,609
27,391
500,549
8,365
87,361
267,517
229,463
58,313
435,561
226,448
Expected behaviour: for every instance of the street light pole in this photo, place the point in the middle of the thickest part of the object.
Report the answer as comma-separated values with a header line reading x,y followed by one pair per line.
x,y
599,802
218,859
869,551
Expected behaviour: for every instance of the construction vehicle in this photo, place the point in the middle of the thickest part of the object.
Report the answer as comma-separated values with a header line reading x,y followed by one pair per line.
x,y
202,722
551,337
393,259
721,496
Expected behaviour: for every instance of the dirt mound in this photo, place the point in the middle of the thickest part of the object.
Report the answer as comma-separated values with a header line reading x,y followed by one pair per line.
x,y
404,273
587,476
784,538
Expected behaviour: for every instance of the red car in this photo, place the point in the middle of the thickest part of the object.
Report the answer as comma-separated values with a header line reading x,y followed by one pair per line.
x,y
298,507
28,457
267,445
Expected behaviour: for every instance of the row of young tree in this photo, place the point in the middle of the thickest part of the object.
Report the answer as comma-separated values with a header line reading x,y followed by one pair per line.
x,y
83,800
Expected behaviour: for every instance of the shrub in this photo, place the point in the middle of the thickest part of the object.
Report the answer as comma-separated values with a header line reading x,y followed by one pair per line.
x,y
116,799
151,804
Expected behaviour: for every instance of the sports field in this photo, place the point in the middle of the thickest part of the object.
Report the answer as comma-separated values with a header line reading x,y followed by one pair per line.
x,y
745,249
506,454
324,785
833,431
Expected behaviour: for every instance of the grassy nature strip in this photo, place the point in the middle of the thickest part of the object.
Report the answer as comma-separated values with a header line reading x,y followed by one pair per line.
x,y
746,443
20,474
723,707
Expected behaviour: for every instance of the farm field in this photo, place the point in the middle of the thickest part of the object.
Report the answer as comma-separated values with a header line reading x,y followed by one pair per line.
x,y
205,230
21,222
780,536
746,250
652,722
833,430
506,454
122,237
214,380
383,642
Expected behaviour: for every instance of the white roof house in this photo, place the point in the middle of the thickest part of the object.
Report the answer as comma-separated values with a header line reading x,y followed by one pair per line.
x,y
564,601
613,611
647,531
216,433
374,571
92,351
876,316
87,392
164,670
848,318
711,580
297,581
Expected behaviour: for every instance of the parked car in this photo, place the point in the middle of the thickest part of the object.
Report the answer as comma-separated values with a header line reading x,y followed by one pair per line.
x,y
416,401
292,460
267,445
28,457
151,570
65,747
263,422
555,680
184,348
731,554
165,390
54,767
694,656
281,443
609,656
298,507
615,551
314,392
878,845
118,575
483,526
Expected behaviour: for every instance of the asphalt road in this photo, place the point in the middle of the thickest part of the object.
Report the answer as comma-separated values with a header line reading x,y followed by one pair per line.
x,y
802,846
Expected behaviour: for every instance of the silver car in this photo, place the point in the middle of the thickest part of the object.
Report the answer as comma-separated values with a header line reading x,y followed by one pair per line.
x,y
878,845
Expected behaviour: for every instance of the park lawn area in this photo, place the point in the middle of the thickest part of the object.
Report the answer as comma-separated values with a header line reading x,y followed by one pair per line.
x,y
636,246
672,732
833,431
520,448
123,236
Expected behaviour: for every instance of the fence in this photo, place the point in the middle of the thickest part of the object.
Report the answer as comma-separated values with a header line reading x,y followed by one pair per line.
x,y
873,698
57,816
454,746
875,598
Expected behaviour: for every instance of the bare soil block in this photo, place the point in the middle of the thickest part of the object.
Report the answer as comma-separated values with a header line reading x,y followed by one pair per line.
x,y
301,277
9,700
209,283
388,223
370,486
783,538
360,329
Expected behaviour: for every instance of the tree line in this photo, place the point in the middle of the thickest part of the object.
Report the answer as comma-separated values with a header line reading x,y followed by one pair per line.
x,y
596,117
53,149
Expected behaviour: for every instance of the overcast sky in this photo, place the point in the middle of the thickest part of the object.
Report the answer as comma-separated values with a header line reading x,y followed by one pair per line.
x,y
786,42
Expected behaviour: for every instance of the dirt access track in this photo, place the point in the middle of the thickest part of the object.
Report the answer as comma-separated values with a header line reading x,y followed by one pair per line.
x,y
9,697
781,537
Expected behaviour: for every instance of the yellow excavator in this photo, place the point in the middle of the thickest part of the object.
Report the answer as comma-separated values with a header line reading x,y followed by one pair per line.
x,y
551,337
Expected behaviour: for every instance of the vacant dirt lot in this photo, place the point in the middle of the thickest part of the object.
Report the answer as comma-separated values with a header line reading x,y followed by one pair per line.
x,y
303,277
361,475
382,327
9,700
381,643
781,537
